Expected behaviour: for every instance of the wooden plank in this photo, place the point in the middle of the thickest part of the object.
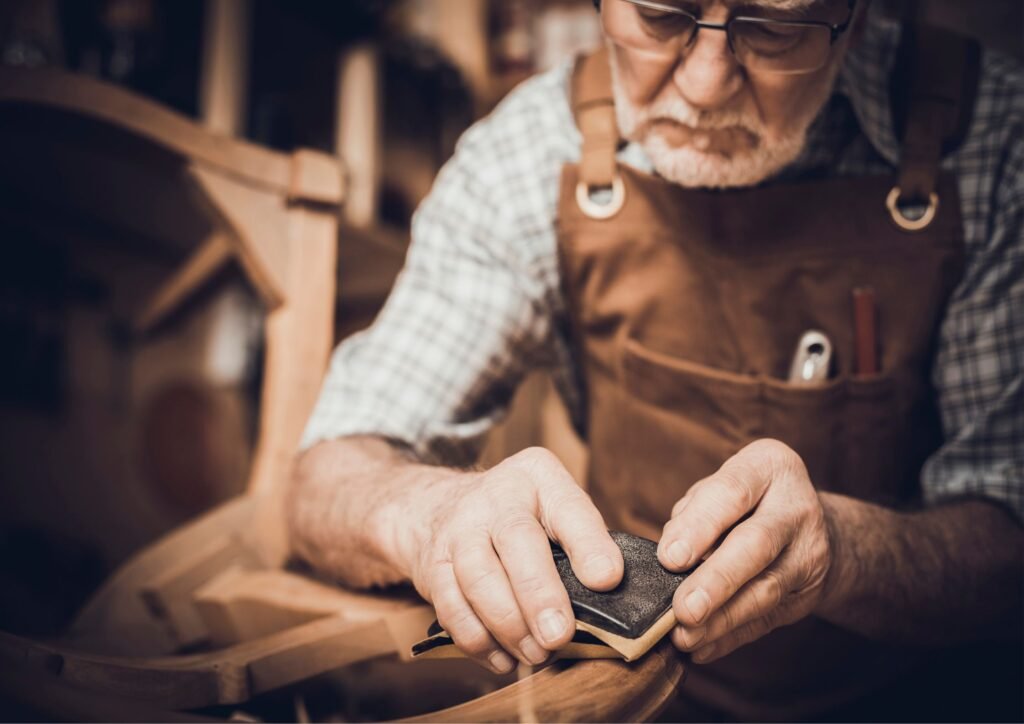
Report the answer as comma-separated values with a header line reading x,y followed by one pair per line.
x,y
358,130
242,605
31,696
593,690
257,222
224,78
116,619
211,256
300,337
110,104
225,676
596,690
169,593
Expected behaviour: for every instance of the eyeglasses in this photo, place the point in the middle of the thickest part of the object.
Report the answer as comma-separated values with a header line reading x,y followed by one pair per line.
x,y
768,44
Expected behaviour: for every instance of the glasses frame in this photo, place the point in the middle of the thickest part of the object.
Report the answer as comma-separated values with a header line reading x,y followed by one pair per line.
x,y
835,30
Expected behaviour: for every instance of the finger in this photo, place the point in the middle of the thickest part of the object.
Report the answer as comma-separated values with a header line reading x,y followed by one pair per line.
x,y
716,504
683,502
750,548
486,587
688,639
758,598
525,551
457,618
571,518
742,636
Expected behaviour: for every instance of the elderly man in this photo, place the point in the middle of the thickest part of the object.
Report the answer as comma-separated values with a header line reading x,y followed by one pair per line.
x,y
659,225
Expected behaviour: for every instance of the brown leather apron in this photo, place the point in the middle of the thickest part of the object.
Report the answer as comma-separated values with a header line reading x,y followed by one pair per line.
x,y
686,307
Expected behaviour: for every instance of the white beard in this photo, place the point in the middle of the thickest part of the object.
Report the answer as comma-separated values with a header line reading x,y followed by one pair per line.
x,y
689,166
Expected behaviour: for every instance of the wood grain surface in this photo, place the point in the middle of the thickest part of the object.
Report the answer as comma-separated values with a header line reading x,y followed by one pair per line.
x,y
593,690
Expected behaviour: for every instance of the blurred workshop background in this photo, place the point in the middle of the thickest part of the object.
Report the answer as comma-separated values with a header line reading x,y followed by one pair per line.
x,y
108,437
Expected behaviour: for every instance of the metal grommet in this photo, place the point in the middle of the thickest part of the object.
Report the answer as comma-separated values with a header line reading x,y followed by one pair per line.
x,y
601,211
892,203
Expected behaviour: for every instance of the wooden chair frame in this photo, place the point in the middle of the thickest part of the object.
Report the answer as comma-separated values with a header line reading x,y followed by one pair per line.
x,y
220,579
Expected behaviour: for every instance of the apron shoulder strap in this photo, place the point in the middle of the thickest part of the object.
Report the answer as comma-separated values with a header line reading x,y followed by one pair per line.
x,y
932,91
594,109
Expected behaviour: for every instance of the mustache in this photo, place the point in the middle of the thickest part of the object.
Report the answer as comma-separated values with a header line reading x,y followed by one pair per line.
x,y
677,111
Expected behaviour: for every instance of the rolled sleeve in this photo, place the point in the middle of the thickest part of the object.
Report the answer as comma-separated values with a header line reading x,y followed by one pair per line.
x,y
471,311
979,371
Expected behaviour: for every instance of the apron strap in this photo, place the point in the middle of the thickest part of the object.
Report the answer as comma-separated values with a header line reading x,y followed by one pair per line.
x,y
594,109
932,92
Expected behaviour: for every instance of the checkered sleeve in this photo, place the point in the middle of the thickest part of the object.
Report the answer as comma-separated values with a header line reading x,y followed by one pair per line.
x,y
979,370
468,315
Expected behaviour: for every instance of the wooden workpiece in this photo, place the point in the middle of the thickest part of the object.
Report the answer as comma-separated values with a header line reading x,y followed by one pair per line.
x,y
217,586
593,690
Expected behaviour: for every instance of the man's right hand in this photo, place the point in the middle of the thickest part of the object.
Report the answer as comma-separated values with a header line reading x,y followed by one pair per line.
x,y
482,556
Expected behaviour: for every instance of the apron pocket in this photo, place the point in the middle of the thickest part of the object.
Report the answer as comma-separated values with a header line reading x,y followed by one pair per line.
x,y
845,429
681,420
725,403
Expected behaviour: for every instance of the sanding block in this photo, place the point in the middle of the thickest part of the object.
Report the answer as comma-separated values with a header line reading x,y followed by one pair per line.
x,y
623,623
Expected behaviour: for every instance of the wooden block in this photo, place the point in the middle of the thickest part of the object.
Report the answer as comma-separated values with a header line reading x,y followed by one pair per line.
x,y
169,595
241,605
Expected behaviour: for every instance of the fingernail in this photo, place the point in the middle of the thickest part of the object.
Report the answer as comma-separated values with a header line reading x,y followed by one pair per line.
x,y
679,554
532,651
552,625
704,654
599,566
501,662
697,603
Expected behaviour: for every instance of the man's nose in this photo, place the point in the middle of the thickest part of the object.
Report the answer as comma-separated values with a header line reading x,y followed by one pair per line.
x,y
708,75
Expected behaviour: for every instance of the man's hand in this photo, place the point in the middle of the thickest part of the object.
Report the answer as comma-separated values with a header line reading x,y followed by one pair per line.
x,y
484,558
761,527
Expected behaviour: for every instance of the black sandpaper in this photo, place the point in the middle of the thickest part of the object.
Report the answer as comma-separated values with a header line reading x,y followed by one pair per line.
x,y
628,610
642,597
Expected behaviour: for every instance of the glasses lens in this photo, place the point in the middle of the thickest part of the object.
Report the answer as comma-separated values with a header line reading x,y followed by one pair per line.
x,y
778,46
662,22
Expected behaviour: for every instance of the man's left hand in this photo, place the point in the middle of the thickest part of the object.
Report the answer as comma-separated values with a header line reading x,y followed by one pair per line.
x,y
761,528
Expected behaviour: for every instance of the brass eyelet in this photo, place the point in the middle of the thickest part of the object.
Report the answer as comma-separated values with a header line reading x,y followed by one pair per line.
x,y
598,211
892,203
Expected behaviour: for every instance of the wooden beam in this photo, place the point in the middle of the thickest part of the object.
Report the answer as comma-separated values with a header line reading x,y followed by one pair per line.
x,y
358,132
211,256
592,690
258,223
117,621
226,676
243,605
169,595
299,340
114,106
224,77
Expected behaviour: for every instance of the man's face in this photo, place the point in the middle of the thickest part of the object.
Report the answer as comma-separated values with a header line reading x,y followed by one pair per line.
x,y
703,118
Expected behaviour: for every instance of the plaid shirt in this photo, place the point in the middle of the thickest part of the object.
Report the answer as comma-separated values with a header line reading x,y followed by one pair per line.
x,y
478,304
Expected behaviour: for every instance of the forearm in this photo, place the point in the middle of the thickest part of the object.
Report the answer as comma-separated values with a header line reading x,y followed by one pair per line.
x,y
352,509
945,575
